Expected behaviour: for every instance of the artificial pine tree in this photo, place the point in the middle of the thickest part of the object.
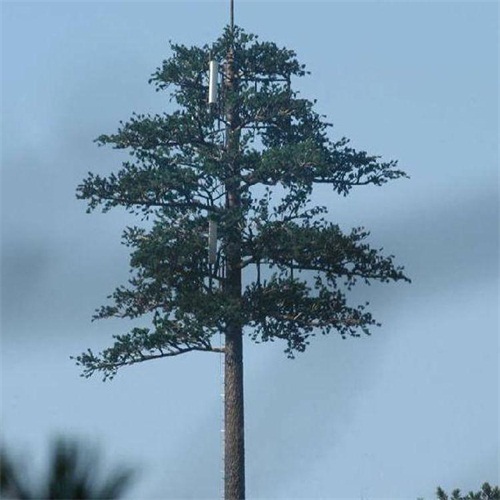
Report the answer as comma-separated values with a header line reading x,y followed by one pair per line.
x,y
245,167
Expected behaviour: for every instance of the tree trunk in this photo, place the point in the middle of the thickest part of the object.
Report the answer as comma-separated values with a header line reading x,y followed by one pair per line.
x,y
234,444
234,440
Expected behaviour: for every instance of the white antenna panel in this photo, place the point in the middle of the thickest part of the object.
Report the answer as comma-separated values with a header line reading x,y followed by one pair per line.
x,y
212,82
212,241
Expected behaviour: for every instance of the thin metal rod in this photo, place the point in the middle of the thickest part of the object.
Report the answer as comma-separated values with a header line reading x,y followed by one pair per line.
x,y
232,15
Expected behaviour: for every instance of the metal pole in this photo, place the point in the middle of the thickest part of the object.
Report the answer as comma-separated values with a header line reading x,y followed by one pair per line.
x,y
232,15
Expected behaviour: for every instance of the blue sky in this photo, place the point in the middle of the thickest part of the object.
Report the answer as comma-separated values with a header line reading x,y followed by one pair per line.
x,y
391,416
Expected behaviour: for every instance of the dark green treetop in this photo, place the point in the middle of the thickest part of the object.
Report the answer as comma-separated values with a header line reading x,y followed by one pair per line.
x,y
487,492
297,265
74,471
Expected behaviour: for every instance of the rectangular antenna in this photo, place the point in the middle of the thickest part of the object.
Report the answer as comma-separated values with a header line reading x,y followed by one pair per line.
x,y
212,241
212,82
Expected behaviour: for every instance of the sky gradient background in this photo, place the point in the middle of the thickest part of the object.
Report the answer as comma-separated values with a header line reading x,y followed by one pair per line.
x,y
389,416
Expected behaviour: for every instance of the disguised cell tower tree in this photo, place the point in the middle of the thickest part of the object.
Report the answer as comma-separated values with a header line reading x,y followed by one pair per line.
x,y
227,179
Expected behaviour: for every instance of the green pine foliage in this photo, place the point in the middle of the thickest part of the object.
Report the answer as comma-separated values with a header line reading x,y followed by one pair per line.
x,y
487,492
73,471
298,266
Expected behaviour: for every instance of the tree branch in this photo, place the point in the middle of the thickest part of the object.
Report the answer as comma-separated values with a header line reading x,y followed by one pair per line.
x,y
150,203
92,363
